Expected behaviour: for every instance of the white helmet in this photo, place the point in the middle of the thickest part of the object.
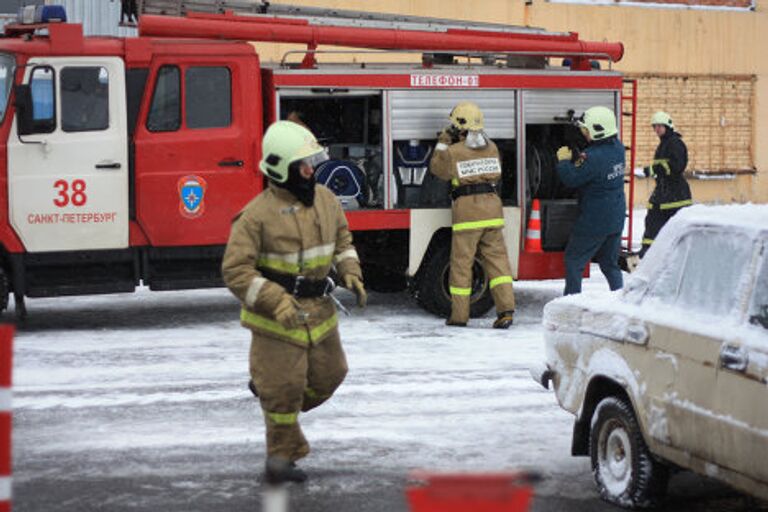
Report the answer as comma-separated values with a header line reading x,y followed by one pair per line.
x,y
286,142
662,118
600,122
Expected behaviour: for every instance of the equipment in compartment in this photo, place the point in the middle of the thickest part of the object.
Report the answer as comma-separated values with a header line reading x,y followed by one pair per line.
x,y
557,219
559,206
411,160
346,180
542,141
349,125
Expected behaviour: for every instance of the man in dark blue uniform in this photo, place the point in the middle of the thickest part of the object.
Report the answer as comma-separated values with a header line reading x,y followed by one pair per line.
x,y
598,176
672,191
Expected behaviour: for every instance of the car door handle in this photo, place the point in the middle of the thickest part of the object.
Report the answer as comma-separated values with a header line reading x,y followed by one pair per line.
x,y
108,165
231,163
734,357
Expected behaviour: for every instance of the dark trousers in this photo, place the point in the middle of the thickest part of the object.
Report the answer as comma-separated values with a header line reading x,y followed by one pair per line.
x,y
128,9
582,249
654,221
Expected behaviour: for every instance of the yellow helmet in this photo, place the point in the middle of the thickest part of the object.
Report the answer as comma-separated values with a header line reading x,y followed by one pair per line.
x,y
600,122
662,118
467,116
286,142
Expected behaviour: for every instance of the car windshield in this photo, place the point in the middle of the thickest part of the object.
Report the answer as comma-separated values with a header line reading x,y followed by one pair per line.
x,y
695,278
7,67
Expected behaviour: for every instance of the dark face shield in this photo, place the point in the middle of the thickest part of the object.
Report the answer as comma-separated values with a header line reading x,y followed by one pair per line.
x,y
300,186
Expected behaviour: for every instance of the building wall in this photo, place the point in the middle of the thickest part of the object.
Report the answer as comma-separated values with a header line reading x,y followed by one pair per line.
x,y
712,54
701,45
12,6
99,17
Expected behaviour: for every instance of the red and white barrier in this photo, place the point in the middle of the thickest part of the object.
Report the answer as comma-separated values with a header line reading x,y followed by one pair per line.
x,y
6,417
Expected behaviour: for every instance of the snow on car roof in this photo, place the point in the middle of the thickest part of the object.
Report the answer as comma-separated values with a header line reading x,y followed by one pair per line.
x,y
752,216
748,218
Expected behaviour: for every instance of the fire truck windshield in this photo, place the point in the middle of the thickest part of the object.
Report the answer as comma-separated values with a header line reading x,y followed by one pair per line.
x,y
7,67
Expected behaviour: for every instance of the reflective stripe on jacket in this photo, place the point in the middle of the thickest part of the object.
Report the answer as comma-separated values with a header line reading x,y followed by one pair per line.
x,y
276,232
669,163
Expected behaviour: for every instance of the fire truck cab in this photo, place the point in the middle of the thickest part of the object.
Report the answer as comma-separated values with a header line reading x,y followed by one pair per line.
x,y
123,161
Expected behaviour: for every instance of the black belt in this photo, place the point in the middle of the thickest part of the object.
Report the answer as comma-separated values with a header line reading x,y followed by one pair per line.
x,y
470,190
300,286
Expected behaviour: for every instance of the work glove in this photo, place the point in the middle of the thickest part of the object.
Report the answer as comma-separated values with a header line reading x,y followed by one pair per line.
x,y
648,171
445,136
355,284
564,153
286,312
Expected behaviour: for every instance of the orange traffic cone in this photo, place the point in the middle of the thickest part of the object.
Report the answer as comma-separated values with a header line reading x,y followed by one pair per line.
x,y
533,232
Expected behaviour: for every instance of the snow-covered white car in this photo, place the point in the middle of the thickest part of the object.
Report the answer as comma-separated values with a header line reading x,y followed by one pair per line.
x,y
671,371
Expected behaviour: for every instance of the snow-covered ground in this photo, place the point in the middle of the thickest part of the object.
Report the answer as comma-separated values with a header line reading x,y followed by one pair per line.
x,y
158,370
139,401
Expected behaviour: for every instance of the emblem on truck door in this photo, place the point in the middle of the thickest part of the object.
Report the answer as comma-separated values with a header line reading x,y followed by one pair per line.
x,y
192,196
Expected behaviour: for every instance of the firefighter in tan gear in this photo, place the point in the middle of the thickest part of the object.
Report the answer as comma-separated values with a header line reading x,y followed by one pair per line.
x,y
280,251
467,158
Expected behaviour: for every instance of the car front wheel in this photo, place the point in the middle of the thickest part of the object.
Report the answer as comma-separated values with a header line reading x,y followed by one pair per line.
x,y
625,472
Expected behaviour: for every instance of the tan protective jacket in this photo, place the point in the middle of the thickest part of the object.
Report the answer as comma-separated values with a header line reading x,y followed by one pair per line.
x,y
277,232
465,166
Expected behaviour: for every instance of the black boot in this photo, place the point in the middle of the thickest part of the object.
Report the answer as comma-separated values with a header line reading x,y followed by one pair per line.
x,y
504,321
253,389
279,470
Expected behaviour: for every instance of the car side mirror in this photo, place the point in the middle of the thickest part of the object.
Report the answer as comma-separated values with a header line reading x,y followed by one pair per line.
x,y
25,123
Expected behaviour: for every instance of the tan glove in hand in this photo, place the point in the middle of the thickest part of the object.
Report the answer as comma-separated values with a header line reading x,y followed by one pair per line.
x,y
355,284
286,312
445,137
564,153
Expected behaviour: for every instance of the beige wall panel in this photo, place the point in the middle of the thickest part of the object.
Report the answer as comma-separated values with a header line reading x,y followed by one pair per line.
x,y
656,40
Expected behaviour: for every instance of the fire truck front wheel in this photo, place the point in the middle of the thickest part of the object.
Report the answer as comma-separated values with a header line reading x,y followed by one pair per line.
x,y
432,288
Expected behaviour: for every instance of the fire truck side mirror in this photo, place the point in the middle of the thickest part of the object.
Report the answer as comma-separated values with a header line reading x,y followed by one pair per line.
x,y
25,123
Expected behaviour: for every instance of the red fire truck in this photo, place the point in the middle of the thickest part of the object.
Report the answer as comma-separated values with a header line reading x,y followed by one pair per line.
x,y
123,160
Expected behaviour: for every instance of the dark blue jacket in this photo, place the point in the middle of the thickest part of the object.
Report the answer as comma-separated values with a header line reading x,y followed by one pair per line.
x,y
598,176
672,190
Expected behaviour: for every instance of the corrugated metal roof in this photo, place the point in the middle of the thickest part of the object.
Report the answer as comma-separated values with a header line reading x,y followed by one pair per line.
x,y
99,17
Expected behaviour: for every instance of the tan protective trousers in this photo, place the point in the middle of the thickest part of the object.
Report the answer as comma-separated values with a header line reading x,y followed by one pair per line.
x,y
291,379
489,245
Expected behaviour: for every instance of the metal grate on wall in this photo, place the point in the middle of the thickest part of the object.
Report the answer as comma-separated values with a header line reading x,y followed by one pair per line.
x,y
714,114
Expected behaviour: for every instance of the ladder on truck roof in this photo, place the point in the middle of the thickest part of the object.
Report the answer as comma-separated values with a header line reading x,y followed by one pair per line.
x,y
332,17
257,20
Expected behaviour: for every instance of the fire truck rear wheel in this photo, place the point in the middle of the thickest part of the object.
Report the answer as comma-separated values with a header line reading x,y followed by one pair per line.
x,y
433,293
